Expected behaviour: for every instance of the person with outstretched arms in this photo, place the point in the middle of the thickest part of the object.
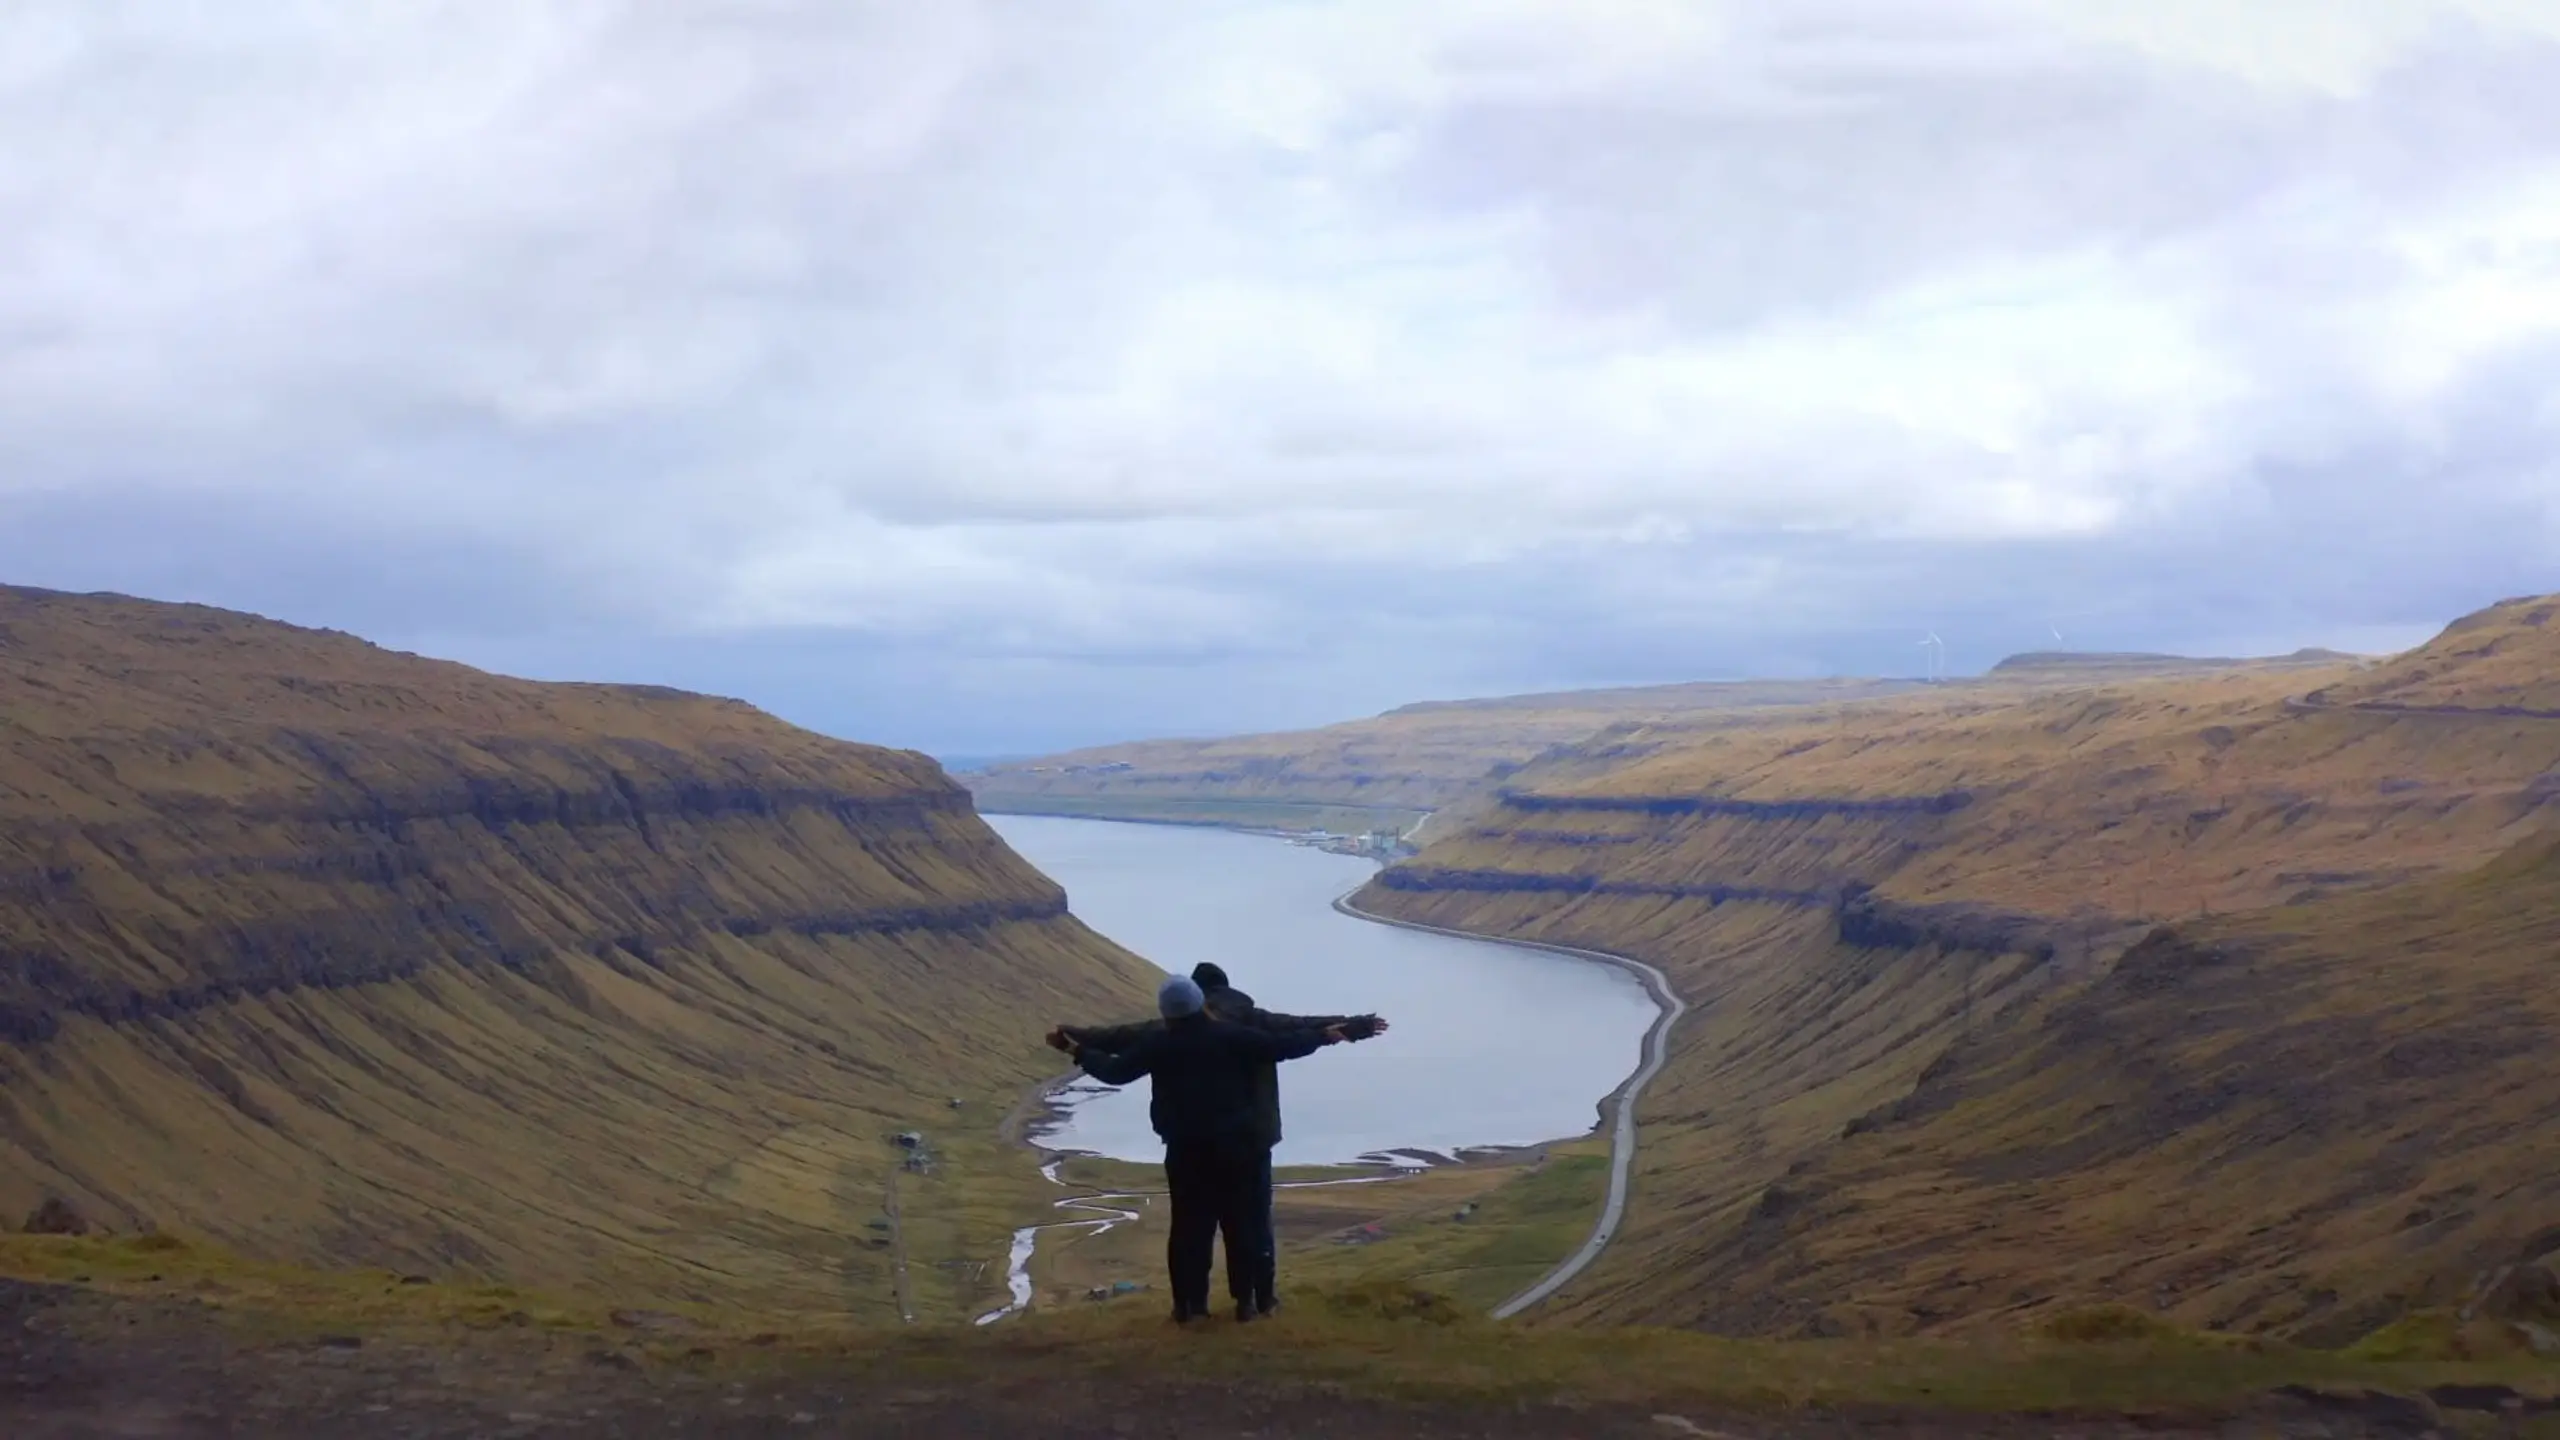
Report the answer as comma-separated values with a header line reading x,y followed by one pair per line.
x,y
1225,1002
1204,1107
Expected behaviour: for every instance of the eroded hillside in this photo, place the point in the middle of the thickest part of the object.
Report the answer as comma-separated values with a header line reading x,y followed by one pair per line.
x,y
341,955
1863,902
2314,1119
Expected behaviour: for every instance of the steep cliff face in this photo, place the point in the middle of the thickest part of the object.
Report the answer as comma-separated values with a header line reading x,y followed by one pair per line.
x,y
1866,901
2312,1120
345,955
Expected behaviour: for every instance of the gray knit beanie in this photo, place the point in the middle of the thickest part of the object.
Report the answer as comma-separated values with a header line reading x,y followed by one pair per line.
x,y
1178,996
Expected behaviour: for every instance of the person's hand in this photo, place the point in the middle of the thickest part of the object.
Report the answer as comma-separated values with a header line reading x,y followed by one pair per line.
x,y
1057,1037
1377,1027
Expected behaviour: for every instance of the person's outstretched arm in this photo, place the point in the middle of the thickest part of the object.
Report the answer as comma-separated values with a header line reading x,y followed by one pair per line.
x,y
1354,1027
1277,1047
1125,1067
1114,1038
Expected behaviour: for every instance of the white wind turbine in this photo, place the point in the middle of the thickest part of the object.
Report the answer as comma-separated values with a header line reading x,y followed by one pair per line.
x,y
2053,620
1936,657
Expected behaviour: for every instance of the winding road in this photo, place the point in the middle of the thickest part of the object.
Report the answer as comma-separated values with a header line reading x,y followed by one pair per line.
x,y
1622,1138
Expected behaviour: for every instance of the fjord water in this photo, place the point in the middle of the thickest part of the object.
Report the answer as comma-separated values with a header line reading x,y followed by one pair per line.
x,y
1491,1044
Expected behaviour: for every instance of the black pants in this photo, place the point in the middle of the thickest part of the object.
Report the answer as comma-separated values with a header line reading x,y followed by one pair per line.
x,y
1266,1273
1213,1195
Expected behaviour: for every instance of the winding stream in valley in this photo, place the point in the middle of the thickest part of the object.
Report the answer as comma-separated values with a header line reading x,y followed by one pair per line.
x,y
1494,1044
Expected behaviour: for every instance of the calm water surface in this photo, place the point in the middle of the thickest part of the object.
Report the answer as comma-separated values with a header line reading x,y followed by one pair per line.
x,y
1492,1045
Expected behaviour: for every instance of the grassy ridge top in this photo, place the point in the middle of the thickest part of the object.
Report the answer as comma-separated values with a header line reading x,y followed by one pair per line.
x,y
2498,658
80,660
342,955
178,689
2156,799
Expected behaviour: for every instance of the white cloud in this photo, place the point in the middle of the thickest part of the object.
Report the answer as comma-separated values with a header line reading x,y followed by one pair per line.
x,y
1119,329
2331,48
2477,282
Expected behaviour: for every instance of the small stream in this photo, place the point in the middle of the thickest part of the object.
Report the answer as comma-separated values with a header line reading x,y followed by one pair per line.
x,y
1017,1265
1017,1273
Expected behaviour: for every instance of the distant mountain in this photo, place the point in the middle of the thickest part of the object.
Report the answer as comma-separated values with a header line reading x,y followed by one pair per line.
x,y
1386,770
963,764
2046,664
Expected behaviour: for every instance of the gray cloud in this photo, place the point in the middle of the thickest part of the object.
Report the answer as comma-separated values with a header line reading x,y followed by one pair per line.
x,y
998,375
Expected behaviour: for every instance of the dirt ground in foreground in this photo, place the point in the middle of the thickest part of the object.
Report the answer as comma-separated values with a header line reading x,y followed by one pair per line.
x,y
74,1363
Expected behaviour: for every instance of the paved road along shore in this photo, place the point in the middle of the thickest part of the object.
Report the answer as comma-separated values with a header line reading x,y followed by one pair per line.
x,y
1622,1139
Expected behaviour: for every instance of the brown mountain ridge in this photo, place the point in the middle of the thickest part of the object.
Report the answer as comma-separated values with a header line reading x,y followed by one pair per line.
x,y
341,955
2188,993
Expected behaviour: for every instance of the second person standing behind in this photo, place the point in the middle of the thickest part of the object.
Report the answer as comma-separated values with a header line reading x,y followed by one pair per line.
x,y
1203,1110
1227,1003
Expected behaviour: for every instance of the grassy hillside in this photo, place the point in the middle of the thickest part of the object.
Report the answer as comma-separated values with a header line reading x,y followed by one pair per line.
x,y
2497,659
1474,1234
340,955
157,1332
1861,901
2314,1118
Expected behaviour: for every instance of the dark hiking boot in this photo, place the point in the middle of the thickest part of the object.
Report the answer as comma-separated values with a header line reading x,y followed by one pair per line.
x,y
1246,1312
1265,1304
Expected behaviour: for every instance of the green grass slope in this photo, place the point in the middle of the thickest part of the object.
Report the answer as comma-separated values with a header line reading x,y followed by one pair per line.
x,y
151,1321
2312,1119
1857,899
339,955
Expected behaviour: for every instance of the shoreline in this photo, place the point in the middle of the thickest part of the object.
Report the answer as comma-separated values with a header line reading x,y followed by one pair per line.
x,y
1040,1102
1314,838
1618,1110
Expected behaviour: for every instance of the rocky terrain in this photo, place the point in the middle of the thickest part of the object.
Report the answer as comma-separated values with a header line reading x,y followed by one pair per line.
x,y
346,956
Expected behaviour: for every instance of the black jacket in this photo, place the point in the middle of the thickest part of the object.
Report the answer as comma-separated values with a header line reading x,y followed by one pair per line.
x,y
1204,1073
1227,1003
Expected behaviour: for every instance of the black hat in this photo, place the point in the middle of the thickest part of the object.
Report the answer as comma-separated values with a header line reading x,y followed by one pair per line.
x,y
1209,976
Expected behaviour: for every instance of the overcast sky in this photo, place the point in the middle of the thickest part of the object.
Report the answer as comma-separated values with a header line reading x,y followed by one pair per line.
x,y
997,376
